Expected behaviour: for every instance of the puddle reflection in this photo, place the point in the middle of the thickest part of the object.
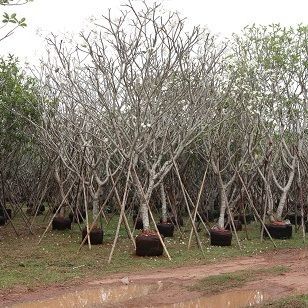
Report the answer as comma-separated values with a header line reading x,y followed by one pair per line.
x,y
235,299
111,296
98,297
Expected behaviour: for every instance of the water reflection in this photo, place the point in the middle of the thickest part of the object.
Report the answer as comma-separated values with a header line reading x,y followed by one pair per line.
x,y
234,299
93,297
111,296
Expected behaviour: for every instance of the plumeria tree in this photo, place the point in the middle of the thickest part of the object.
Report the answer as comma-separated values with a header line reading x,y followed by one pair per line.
x,y
273,64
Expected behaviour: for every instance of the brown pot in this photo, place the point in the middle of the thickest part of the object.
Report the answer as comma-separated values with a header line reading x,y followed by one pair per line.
x,y
148,244
166,229
220,237
61,223
279,231
237,225
96,235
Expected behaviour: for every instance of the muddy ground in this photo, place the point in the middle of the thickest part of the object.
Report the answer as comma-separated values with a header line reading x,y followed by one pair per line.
x,y
171,285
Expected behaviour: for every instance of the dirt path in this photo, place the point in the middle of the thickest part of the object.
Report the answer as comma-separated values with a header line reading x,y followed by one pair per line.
x,y
175,281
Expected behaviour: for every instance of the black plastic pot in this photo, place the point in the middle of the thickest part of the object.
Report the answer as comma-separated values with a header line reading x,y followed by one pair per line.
x,y
220,237
80,216
7,214
148,245
177,220
279,231
249,218
166,229
2,220
294,220
31,210
174,220
138,222
204,216
212,215
61,223
237,224
215,214
96,236
41,209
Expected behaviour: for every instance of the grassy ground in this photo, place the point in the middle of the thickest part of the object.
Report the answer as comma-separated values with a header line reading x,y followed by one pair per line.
x,y
299,301
55,260
218,283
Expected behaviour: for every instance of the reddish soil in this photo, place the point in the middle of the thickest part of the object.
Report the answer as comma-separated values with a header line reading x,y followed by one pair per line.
x,y
175,281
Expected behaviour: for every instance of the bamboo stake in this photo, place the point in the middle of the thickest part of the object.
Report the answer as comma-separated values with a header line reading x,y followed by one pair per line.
x,y
301,202
87,215
122,206
55,214
151,215
187,206
197,204
101,209
255,210
128,230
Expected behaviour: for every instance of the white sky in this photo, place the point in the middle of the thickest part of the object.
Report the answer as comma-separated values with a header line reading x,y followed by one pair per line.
x,y
220,16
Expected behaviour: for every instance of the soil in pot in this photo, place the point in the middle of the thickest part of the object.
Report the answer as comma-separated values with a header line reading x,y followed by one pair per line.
x,y
220,237
166,229
61,223
96,235
279,230
148,244
2,220
237,224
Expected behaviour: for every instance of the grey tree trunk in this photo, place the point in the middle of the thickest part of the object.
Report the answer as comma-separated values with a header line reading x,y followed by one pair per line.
x,y
164,203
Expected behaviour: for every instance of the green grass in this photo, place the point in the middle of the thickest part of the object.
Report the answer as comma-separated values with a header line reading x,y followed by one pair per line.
x,y
298,301
217,283
55,260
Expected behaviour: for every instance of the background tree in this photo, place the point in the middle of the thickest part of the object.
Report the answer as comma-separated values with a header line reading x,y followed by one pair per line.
x,y
11,21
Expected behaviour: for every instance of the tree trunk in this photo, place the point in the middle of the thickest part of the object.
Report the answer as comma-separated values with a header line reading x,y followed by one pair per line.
x,y
145,215
285,191
223,202
164,203
96,202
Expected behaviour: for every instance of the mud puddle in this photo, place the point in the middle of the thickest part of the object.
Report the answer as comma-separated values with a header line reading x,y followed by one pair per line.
x,y
96,297
235,299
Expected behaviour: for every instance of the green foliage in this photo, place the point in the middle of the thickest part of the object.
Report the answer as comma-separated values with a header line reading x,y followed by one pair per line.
x,y
12,19
18,105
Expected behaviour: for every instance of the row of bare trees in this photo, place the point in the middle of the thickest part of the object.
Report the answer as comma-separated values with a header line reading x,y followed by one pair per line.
x,y
144,113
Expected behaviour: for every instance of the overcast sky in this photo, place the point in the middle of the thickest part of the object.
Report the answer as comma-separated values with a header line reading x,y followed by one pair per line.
x,y
220,16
